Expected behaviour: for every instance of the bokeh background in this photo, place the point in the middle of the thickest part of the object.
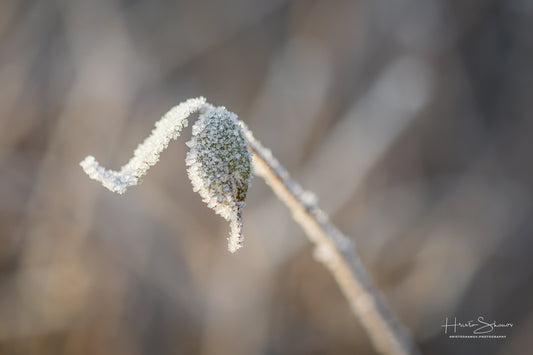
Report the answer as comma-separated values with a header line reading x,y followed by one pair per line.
x,y
409,119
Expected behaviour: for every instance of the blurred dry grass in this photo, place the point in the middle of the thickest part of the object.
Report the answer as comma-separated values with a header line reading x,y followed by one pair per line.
x,y
410,120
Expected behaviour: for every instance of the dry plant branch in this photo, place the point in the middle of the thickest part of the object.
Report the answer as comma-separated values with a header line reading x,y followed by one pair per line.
x,y
219,168
337,253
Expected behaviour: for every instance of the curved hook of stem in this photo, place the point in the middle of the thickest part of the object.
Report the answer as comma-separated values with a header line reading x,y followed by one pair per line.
x,y
147,153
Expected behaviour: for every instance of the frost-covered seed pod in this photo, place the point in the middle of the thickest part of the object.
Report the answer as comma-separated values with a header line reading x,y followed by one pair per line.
x,y
219,167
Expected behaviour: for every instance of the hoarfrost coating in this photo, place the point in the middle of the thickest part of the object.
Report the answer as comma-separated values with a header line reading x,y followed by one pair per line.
x,y
219,164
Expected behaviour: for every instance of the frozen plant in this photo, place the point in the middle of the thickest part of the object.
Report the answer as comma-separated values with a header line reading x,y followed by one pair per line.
x,y
218,160
219,167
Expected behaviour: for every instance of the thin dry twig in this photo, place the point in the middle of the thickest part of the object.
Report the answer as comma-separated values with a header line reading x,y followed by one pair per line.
x,y
337,253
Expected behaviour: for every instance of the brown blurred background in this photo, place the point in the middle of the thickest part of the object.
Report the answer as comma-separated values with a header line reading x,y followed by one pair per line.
x,y
409,119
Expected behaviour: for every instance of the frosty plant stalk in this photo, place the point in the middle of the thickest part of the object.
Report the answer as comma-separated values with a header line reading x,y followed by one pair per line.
x,y
218,162
219,166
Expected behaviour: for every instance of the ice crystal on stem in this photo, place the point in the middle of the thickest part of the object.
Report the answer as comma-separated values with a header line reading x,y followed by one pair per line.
x,y
219,160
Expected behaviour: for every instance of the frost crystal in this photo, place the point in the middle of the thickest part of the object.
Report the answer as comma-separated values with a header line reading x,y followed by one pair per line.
x,y
219,167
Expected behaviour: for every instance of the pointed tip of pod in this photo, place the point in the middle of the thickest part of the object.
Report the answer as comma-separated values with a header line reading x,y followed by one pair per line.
x,y
236,239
